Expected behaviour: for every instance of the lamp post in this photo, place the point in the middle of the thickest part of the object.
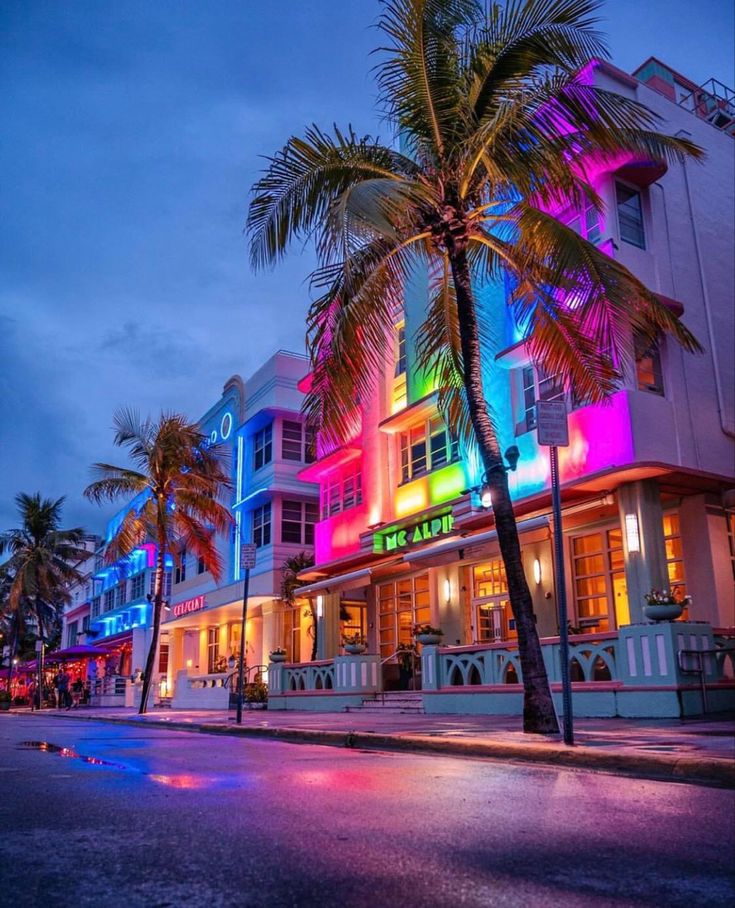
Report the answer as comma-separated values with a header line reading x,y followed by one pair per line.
x,y
248,552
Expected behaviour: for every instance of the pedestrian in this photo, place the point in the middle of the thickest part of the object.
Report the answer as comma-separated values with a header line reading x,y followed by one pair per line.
x,y
77,689
62,687
31,693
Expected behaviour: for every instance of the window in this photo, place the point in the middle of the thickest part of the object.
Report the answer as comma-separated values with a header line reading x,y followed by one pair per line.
x,y
586,223
201,567
400,349
599,580
120,594
427,447
167,578
401,604
96,603
292,633
137,586
212,648
261,523
339,493
537,384
180,568
262,447
297,522
71,634
674,554
163,653
298,443
649,374
630,216
85,624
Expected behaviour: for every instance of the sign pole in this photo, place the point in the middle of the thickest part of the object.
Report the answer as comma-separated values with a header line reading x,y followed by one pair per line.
x,y
247,560
243,624
553,431
561,598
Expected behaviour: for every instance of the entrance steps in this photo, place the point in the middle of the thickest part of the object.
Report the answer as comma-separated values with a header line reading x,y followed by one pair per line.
x,y
400,701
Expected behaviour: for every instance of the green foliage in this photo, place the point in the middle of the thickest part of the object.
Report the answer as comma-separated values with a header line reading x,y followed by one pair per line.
x,y
478,101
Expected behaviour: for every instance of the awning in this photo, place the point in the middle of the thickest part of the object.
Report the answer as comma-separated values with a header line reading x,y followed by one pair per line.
x,y
465,542
354,578
78,652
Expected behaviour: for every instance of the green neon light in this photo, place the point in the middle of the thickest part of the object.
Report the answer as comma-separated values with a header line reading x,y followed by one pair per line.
x,y
447,484
401,536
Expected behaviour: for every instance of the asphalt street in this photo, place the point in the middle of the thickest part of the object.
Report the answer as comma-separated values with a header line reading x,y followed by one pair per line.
x,y
105,815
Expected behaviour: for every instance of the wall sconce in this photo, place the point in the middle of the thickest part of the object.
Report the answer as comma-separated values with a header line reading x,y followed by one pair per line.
x,y
447,590
319,606
632,534
189,663
537,571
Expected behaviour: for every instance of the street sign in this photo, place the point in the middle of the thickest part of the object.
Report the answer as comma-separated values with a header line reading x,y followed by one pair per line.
x,y
248,551
39,646
551,420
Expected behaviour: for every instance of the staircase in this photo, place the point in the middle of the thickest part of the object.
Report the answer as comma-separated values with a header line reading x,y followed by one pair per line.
x,y
401,701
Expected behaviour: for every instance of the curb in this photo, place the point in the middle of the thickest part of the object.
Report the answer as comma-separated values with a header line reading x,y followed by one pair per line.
x,y
659,767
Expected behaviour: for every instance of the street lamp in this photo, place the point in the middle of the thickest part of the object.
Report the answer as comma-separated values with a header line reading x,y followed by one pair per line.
x,y
512,455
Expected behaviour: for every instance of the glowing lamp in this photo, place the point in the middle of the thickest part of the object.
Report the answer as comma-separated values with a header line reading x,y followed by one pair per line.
x,y
319,606
447,591
537,570
486,497
632,533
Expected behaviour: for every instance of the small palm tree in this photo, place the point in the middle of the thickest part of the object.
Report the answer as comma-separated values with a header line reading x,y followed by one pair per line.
x,y
178,481
290,582
497,128
43,563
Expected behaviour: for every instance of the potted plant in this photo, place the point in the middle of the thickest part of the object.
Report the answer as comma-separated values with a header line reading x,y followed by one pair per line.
x,y
277,655
427,635
665,605
4,700
354,644
256,695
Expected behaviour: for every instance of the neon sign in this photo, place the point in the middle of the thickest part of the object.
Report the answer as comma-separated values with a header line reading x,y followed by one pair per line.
x,y
189,605
414,534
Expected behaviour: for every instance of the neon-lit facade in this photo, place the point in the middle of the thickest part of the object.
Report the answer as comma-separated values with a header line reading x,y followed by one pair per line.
x,y
416,546
258,426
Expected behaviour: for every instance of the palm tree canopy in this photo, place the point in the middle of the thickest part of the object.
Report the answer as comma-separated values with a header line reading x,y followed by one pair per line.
x,y
498,125
178,480
43,558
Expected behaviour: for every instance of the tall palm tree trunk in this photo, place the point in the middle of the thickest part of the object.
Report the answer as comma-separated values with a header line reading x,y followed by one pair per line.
x,y
539,715
150,662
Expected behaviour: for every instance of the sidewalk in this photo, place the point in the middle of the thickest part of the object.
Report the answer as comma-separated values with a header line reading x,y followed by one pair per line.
x,y
692,750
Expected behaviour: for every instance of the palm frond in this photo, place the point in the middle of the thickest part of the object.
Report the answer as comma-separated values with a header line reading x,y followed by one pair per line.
x,y
295,194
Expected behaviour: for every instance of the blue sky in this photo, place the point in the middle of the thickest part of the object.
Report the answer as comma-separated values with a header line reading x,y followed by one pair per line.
x,y
132,134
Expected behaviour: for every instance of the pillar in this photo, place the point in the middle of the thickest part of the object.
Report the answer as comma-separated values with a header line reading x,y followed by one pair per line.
x,y
327,606
641,521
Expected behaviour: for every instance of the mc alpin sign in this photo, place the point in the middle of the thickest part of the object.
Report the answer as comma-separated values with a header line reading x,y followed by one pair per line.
x,y
414,534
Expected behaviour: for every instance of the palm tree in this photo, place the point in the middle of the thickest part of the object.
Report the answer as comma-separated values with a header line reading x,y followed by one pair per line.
x,y
178,480
496,127
43,564
290,570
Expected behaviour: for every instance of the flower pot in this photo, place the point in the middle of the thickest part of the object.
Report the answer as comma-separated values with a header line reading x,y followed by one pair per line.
x,y
354,649
277,657
663,611
428,639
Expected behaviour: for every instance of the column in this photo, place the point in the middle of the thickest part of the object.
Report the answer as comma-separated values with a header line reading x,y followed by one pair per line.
x,y
327,606
639,507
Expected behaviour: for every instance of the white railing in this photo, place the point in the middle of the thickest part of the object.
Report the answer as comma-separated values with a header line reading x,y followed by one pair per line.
x,y
593,657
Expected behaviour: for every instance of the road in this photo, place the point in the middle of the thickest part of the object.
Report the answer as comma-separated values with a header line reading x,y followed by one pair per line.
x,y
177,819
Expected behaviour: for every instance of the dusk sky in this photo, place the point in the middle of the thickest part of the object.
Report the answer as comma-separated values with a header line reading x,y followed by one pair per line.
x,y
132,135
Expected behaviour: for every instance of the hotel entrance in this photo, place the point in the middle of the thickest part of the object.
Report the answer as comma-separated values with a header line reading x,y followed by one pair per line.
x,y
492,619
